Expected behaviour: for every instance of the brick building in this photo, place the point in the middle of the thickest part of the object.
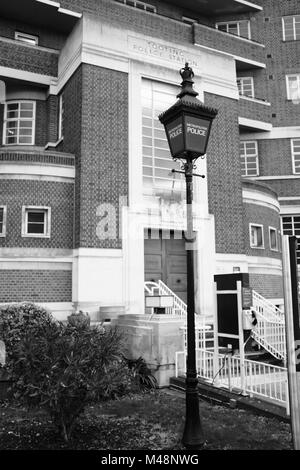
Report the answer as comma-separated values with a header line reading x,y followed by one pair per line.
x,y
88,207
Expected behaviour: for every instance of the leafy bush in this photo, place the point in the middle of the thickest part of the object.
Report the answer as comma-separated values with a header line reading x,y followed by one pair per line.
x,y
141,372
63,367
16,319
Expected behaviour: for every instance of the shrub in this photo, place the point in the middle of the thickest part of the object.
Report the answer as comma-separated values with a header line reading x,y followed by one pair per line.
x,y
16,319
142,374
63,367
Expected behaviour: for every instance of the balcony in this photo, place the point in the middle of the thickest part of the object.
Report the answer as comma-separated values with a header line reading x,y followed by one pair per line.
x,y
34,156
247,53
218,7
254,114
43,13
35,59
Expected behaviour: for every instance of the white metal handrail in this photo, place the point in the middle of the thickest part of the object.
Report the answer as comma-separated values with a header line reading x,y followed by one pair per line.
x,y
203,333
270,334
270,329
179,308
260,379
266,308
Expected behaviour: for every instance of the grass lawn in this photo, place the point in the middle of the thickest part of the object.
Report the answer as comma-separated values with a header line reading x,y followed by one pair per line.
x,y
148,422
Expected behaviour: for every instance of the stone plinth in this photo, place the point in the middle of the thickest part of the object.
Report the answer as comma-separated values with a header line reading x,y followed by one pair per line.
x,y
156,338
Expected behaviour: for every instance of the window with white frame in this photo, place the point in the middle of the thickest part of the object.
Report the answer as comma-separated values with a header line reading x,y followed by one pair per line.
x,y
256,236
273,239
61,116
291,28
36,221
27,38
293,86
291,227
245,86
2,221
19,123
295,145
139,5
249,158
238,28
157,161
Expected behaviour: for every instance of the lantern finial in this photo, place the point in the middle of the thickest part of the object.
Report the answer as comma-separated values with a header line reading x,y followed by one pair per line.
x,y
187,72
187,76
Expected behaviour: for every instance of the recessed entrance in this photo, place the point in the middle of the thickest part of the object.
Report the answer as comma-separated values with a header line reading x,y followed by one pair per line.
x,y
165,259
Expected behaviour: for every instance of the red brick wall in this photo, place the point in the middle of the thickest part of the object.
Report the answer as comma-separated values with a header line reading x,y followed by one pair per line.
x,y
285,188
41,123
72,137
253,110
229,43
59,196
223,173
47,38
275,157
261,215
52,118
285,59
35,286
30,59
267,285
100,145
135,19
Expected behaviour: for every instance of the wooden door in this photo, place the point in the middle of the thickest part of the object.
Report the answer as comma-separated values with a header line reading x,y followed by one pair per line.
x,y
165,259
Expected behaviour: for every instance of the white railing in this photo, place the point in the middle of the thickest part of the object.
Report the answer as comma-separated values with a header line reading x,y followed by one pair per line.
x,y
266,308
270,334
159,288
262,380
203,333
270,329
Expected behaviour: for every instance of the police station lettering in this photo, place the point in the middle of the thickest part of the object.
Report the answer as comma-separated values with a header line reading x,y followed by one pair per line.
x,y
196,129
175,131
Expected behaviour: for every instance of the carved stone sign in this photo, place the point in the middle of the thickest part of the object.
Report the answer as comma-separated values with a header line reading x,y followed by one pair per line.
x,y
162,51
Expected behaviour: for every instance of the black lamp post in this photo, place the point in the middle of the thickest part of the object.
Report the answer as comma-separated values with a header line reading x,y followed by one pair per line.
x,y
187,124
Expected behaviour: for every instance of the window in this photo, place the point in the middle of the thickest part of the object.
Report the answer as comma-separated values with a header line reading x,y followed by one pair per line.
x,y
249,158
256,236
2,221
295,144
238,28
19,123
140,5
293,87
28,38
61,117
273,239
157,161
36,221
291,227
245,86
291,28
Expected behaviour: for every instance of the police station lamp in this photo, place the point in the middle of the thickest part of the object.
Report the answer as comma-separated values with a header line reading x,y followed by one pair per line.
x,y
188,122
187,125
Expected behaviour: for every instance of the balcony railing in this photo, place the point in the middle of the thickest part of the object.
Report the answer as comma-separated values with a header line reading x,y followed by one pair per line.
x,y
219,7
21,56
241,48
254,109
